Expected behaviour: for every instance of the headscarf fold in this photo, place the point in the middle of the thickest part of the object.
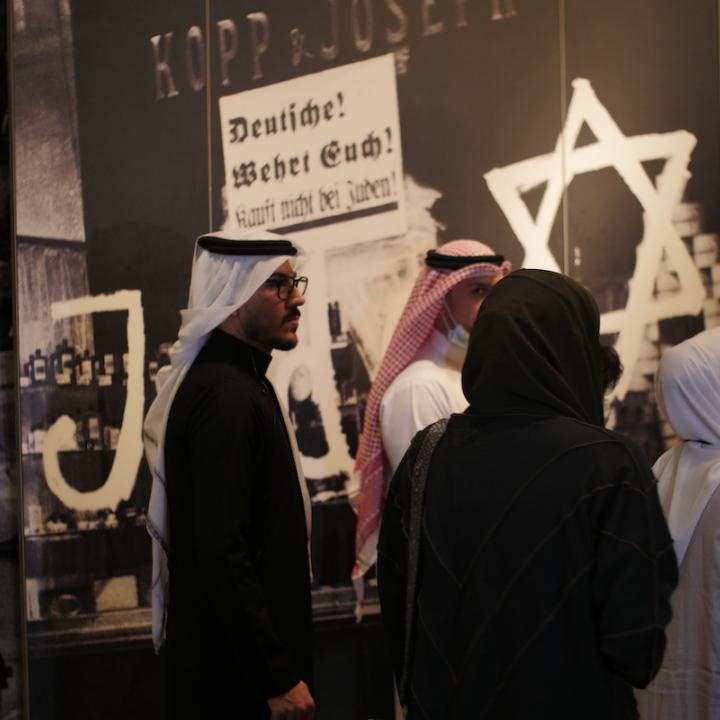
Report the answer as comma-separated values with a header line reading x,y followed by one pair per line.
x,y
412,332
219,285
688,393
535,349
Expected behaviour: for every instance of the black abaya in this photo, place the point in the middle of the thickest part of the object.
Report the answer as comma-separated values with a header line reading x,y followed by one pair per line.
x,y
239,614
545,563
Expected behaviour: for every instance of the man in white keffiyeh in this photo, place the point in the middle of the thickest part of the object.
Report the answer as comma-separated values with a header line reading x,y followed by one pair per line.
x,y
229,510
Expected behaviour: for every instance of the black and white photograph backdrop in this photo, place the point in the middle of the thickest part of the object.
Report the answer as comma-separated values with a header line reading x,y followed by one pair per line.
x,y
11,670
574,136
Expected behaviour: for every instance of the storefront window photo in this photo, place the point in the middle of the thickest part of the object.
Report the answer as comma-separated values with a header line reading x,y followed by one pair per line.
x,y
579,137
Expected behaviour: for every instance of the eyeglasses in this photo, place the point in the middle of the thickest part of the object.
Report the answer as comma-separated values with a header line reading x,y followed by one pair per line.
x,y
286,284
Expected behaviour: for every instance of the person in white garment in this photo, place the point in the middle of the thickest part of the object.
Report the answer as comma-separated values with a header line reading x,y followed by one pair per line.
x,y
688,391
429,388
418,381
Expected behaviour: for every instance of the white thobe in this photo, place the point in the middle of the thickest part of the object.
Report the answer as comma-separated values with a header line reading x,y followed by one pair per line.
x,y
688,684
427,390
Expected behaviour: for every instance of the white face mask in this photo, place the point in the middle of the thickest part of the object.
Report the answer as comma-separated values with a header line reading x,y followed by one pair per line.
x,y
457,334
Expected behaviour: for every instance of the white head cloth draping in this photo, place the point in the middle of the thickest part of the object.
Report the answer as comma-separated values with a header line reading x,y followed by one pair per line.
x,y
688,391
219,285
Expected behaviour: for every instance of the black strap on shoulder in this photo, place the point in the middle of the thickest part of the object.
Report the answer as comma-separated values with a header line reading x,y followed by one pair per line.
x,y
418,480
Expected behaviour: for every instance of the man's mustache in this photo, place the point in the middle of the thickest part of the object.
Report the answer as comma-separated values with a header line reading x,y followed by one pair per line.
x,y
293,315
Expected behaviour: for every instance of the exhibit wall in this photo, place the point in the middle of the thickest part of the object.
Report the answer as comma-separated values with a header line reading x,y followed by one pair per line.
x,y
574,136
11,670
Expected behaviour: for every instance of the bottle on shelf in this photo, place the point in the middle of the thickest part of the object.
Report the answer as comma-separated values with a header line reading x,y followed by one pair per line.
x,y
39,437
163,354
338,321
36,522
66,354
56,522
64,377
30,439
66,359
25,376
153,367
86,368
69,370
55,362
94,436
63,374
39,365
109,375
111,435
77,370
101,376
80,430
331,320
35,439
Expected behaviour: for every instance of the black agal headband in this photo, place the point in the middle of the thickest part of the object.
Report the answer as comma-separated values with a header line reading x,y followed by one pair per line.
x,y
222,246
438,261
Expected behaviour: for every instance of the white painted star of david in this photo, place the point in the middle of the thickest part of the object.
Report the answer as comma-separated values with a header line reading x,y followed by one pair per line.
x,y
625,154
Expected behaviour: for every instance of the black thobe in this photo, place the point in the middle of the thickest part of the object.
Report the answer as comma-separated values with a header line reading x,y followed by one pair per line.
x,y
239,613
545,563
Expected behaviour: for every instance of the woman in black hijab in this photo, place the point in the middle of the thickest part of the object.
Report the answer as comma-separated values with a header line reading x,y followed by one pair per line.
x,y
533,582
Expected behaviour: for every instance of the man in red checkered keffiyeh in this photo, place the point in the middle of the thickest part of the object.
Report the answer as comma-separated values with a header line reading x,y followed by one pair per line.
x,y
419,357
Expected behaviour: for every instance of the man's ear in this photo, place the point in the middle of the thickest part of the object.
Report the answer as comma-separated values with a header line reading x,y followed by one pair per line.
x,y
233,322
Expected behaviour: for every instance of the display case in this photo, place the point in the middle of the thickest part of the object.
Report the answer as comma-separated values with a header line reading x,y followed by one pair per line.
x,y
87,569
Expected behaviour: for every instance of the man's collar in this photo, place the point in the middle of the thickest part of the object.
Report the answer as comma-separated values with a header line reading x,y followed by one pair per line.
x,y
222,344
439,345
